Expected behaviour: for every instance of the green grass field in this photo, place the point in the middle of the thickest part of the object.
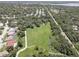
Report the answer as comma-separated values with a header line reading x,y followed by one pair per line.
x,y
39,36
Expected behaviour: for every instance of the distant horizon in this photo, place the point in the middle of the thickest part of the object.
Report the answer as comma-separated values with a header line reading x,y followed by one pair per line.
x,y
45,1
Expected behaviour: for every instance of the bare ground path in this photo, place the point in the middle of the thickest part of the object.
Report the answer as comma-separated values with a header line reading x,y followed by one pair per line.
x,y
25,45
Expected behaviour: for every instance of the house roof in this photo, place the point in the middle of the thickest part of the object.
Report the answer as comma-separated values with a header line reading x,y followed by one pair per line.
x,y
11,33
10,43
10,37
12,30
1,24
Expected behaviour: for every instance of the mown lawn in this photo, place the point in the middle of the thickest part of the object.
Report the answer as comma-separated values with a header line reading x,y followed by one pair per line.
x,y
37,37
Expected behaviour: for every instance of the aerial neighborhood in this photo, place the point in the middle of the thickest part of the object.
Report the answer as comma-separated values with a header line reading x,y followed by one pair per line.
x,y
39,29
7,37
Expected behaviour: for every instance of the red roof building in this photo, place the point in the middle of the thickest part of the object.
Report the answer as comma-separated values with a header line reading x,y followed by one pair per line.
x,y
10,43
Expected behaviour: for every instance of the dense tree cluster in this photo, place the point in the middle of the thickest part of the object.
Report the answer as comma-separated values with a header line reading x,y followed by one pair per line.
x,y
66,19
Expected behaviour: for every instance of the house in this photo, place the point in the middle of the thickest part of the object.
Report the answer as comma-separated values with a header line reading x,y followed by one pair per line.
x,y
75,27
10,37
1,24
10,42
56,11
11,31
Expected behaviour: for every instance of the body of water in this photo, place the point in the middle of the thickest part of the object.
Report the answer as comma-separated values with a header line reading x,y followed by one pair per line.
x,y
68,4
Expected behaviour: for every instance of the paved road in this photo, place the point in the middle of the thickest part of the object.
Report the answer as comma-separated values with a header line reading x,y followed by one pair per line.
x,y
24,47
62,32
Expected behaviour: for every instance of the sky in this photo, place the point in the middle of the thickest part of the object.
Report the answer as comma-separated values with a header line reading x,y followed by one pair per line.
x,y
39,0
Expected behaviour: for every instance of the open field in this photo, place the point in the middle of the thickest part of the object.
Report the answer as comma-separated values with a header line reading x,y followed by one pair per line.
x,y
37,37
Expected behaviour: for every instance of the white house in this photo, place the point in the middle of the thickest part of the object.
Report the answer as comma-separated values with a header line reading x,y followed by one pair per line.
x,y
1,24
75,27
